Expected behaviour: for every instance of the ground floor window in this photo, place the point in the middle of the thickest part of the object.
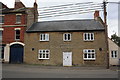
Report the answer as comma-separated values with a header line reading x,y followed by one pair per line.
x,y
89,54
44,54
2,51
114,54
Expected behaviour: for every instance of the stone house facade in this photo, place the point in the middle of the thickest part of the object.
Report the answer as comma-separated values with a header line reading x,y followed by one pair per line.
x,y
67,43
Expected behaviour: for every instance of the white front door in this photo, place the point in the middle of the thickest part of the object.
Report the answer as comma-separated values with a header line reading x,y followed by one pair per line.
x,y
67,58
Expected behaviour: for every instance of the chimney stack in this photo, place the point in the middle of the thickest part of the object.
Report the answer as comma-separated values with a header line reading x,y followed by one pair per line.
x,y
96,15
18,4
35,11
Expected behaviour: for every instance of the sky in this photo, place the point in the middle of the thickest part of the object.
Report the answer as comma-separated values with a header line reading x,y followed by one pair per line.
x,y
112,11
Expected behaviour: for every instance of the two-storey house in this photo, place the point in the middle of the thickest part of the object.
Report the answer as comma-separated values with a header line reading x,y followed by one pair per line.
x,y
66,42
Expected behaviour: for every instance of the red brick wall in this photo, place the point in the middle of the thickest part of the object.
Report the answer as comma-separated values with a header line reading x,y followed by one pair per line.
x,y
10,19
9,28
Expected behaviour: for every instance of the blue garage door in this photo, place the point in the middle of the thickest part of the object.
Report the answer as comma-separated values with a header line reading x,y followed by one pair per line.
x,y
16,53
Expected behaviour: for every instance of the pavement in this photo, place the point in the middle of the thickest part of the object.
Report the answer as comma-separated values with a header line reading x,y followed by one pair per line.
x,y
115,68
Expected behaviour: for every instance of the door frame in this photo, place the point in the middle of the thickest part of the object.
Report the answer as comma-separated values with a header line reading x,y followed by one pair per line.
x,y
70,55
15,43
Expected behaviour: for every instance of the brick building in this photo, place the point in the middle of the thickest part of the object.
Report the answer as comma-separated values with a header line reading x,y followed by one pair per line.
x,y
67,42
13,25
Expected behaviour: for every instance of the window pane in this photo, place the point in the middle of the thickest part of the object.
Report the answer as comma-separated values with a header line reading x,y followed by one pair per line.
x,y
43,36
85,35
43,55
18,18
112,54
91,36
40,55
115,53
89,56
93,56
88,36
47,55
93,51
40,36
88,50
85,55
43,51
17,34
1,19
47,51
0,35
65,36
47,37
68,36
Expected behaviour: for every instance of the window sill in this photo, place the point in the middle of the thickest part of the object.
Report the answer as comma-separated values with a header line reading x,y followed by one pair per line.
x,y
89,59
67,40
17,39
18,23
88,40
43,41
1,23
43,58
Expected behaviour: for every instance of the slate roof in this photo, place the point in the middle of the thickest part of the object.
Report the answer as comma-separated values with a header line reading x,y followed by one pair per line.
x,y
66,25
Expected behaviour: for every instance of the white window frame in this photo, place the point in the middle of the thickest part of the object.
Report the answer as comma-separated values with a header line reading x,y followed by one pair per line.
x,y
18,22
43,51
90,38
113,53
44,37
15,32
85,51
66,37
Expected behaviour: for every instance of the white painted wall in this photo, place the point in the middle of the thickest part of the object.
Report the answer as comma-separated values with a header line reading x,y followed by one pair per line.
x,y
112,47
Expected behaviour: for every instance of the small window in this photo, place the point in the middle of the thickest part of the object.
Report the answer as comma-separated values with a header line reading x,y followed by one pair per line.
x,y
17,34
44,37
67,37
88,36
0,35
18,18
114,54
89,54
44,54
1,19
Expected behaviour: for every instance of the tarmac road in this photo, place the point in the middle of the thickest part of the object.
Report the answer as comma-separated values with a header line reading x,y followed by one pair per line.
x,y
37,71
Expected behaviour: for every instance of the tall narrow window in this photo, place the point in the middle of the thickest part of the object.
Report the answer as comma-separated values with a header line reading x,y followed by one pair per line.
x,y
18,18
0,36
1,32
88,36
44,37
17,34
1,19
67,37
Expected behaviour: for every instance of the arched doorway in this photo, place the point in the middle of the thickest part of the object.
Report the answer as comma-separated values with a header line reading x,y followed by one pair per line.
x,y
16,53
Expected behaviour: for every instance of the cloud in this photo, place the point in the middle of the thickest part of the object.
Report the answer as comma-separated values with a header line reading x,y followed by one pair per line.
x,y
112,27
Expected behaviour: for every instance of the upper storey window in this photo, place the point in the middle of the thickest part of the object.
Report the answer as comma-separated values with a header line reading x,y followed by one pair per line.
x,y
1,19
18,18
